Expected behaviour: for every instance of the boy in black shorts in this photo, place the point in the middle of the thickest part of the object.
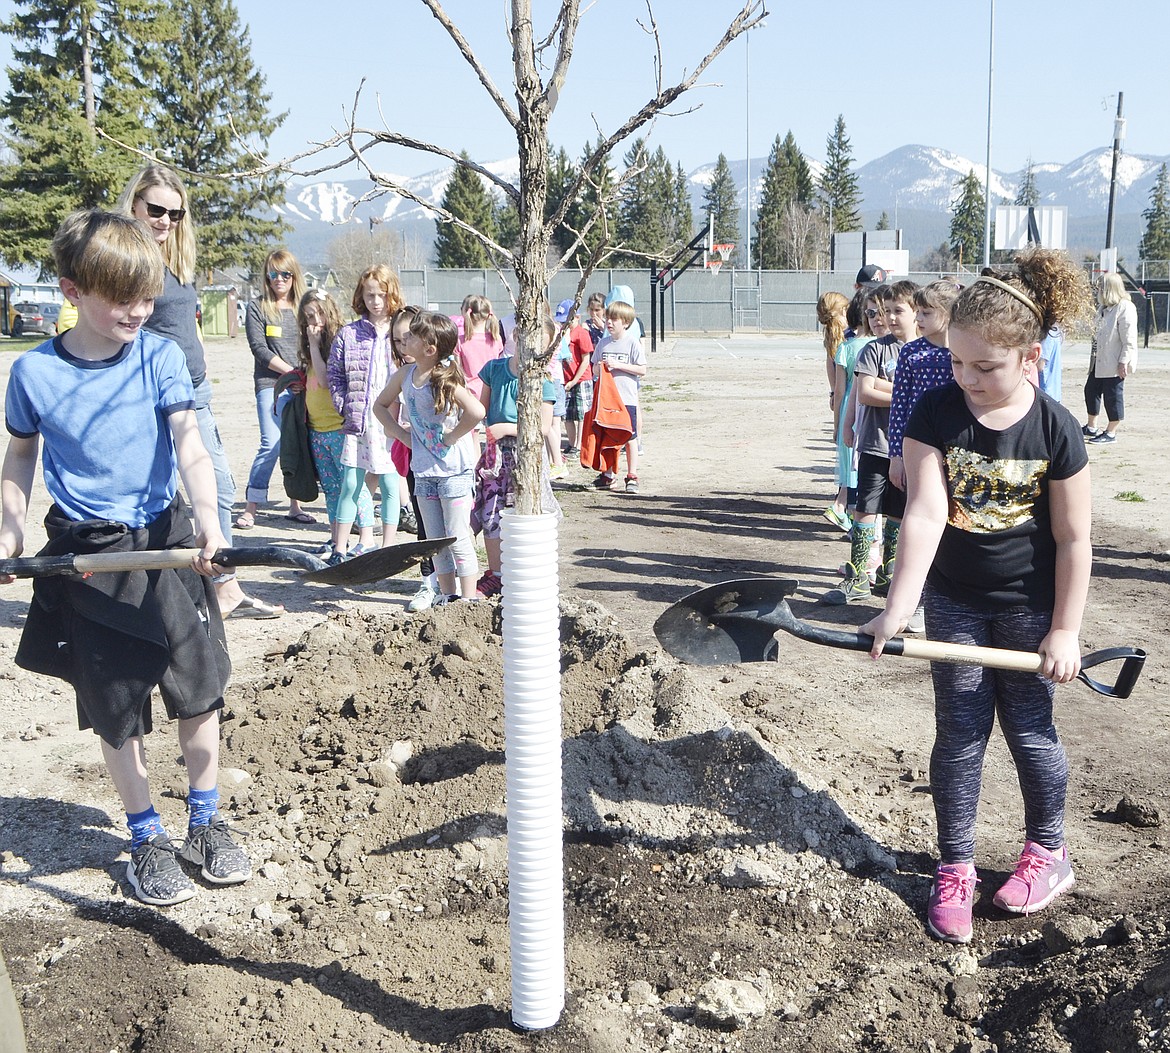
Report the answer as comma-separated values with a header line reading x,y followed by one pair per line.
x,y
115,409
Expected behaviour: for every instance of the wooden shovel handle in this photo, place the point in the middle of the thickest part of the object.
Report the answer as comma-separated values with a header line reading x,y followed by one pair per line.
x,y
968,654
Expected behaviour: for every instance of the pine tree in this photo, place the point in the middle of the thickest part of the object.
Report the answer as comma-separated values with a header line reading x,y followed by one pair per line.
x,y
561,174
78,65
966,238
786,197
1155,243
647,217
838,185
588,206
207,77
721,201
683,213
467,199
1027,194
883,221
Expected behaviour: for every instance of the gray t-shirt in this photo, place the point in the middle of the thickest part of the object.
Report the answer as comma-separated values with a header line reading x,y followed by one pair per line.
x,y
174,317
627,350
879,358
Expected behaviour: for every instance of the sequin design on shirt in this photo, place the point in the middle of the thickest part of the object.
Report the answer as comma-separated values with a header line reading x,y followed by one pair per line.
x,y
989,495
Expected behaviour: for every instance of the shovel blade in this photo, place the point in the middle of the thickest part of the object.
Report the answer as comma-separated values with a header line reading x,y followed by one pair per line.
x,y
378,565
726,624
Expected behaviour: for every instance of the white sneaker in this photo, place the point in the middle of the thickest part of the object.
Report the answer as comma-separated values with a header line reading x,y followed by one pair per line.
x,y
917,622
423,599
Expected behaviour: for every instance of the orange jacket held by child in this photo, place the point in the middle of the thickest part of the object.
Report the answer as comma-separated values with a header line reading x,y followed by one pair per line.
x,y
606,427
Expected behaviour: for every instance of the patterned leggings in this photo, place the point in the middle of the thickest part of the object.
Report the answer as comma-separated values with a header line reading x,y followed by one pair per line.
x,y
967,700
326,447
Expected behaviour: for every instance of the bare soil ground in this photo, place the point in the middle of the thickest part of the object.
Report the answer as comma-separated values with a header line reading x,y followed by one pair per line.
x,y
762,833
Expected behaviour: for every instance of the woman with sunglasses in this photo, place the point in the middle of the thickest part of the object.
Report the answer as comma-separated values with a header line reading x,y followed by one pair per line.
x,y
156,197
271,327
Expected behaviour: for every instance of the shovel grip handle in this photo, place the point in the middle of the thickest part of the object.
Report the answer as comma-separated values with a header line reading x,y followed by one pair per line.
x,y
967,654
115,562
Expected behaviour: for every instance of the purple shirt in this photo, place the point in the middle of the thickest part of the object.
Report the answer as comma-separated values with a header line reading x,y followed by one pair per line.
x,y
921,366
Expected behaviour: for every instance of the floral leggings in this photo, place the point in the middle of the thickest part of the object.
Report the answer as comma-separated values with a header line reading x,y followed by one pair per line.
x,y
326,447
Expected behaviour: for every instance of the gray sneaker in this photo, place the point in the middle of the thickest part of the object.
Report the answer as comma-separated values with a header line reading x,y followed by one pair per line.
x,y
917,622
155,875
211,847
423,599
854,587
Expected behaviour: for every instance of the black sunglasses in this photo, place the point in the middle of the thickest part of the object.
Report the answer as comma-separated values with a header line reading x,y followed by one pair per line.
x,y
157,212
872,312
286,275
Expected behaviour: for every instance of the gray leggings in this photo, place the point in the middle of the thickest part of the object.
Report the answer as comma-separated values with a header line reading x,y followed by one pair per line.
x,y
967,700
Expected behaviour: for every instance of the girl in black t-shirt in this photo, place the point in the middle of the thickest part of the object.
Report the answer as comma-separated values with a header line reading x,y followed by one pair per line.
x,y
997,529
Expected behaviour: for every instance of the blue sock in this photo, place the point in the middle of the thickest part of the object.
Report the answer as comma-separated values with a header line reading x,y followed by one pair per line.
x,y
143,826
202,806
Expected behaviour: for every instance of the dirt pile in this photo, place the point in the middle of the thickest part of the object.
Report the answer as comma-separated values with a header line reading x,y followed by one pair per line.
x,y
717,896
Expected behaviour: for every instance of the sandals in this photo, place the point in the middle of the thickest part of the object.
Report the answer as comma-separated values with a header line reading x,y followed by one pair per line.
x,y
245,521
301,517
251,607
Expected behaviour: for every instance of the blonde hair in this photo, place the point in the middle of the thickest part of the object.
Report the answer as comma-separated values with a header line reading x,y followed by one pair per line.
x,y
1113,290
479,309
623,311
437,330
110,255
386,278
281,260
333,323
178,251
1045,279
831,309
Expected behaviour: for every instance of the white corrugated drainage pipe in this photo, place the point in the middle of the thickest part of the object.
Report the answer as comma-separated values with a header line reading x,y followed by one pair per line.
x,y
532,734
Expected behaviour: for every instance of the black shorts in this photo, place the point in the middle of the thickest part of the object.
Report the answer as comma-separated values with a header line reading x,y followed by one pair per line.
x,y
875,493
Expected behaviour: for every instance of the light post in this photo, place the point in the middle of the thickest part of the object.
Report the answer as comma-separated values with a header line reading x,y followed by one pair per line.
x,y
747,133
987,170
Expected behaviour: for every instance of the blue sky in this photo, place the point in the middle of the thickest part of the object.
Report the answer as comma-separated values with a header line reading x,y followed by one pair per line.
x,y
903,71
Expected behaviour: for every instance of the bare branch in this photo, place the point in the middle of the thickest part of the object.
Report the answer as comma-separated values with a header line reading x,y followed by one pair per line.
x,y
569,18
652,29
750,15
472,60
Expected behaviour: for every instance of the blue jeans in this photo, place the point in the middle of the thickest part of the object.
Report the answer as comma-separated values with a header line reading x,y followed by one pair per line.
x,y
225,485
268,453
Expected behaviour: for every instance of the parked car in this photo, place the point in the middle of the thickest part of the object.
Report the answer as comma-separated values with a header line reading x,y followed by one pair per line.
x,y
35,318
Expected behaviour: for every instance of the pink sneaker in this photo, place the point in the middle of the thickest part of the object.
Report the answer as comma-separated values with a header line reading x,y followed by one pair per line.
x,y
1040,877
948,911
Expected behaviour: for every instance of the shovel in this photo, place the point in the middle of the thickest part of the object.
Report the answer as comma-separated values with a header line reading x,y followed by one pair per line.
x,y
737,621
361,570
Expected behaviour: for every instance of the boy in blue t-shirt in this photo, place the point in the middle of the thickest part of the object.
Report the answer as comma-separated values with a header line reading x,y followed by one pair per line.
x,y
114,407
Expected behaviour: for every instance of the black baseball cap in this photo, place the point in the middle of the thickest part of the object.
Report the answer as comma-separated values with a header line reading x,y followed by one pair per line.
x,y
871,274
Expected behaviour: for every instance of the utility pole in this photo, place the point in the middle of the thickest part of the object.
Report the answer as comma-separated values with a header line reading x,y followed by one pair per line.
x,y
1118,137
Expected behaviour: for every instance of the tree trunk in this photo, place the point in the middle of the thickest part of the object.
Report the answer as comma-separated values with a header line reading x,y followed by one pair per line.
x,y
87,73
531,265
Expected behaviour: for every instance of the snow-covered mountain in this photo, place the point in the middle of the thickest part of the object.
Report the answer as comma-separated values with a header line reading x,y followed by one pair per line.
x,y
914,185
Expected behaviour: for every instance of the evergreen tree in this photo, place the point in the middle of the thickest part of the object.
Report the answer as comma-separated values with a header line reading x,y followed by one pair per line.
x,y
78,65
561,173
646,217
1155,243
967,214
721,201
1027,194
507,220
683,213
883,222
207,76
787,195
468,200
588,206
838,185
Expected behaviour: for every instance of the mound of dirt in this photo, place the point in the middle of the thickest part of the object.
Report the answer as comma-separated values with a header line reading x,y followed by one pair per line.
x,y
717,895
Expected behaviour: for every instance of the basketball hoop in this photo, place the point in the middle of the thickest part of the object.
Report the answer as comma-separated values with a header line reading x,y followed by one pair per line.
x,y
724,250
713,266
